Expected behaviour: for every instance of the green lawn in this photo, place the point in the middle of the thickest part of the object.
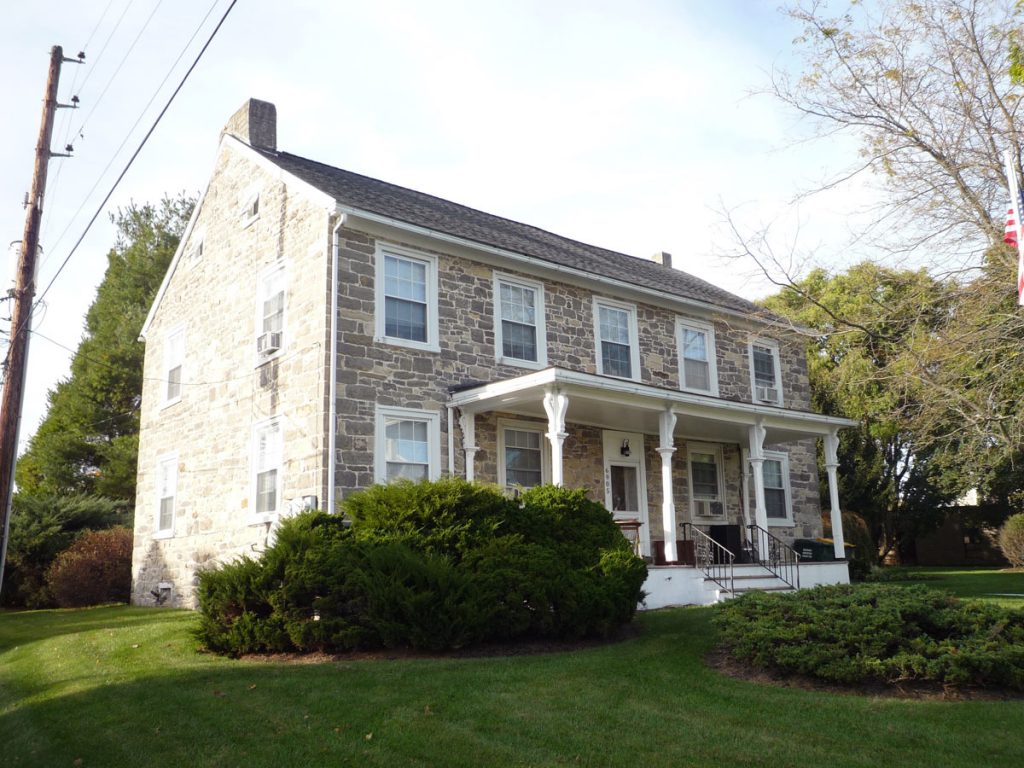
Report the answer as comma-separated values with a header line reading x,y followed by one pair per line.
x,y
125,687
1003,586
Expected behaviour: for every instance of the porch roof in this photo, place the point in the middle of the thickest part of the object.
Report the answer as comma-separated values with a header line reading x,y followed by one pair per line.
x,y
630,406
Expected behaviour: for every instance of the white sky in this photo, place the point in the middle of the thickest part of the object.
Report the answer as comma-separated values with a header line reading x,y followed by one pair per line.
x,y
624,125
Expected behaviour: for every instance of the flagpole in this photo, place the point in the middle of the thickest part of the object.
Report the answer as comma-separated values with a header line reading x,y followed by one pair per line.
x,y
1015,201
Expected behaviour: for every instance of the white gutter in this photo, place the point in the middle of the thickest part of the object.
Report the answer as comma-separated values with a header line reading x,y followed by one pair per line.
x,y
332,384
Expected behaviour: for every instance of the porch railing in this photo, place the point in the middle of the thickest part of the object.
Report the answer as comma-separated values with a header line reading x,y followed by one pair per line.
x,y
713,560
775,555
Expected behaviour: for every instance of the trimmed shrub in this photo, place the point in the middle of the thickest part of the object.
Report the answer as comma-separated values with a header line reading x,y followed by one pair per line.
x,y
431,566
876,633
96,569
1011,540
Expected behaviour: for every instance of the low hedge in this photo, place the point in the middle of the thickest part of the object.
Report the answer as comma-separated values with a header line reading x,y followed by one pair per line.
x,y
876,633
430,566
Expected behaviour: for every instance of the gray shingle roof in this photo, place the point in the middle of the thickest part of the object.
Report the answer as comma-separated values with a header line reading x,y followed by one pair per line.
x,y
434,213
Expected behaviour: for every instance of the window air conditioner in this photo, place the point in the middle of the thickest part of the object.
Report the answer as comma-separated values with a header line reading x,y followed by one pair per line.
x,y
768,394
707,508
268,343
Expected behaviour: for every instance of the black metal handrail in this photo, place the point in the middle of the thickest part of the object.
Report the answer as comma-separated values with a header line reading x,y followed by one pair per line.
x,y
714,560
775,555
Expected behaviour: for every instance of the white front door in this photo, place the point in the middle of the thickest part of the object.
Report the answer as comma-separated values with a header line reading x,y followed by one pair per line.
x,y
625,481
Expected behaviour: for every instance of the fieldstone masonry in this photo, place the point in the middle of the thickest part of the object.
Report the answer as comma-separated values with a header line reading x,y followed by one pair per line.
x,y
227,389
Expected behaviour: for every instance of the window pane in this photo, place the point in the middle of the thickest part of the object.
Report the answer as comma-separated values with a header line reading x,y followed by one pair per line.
x,y
273,313
696,374
772,471
523,458
405,319
405,279
413,472
764,366
705,475
174,383
517,304
166,513
266,491
624,495
614,325
518,341
695,345
775,502
406,449
616,360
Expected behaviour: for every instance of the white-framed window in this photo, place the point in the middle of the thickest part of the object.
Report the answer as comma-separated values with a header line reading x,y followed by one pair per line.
x,y
698,371
778,497
267,471
765,372
519,333
174,363
618,353
194,252
406,298
166,495
407,445
249,207
271,293
707,485
522,454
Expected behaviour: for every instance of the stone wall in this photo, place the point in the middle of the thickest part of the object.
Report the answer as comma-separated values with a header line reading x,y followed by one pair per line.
x,y
225,389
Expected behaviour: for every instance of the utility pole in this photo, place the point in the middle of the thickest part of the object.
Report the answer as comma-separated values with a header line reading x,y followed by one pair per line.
x,y
21,314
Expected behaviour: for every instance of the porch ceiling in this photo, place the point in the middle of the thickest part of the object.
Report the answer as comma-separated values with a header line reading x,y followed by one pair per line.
x,y
631,407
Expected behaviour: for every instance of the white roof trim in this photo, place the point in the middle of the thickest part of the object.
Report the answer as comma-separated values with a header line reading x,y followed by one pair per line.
x,y
490,396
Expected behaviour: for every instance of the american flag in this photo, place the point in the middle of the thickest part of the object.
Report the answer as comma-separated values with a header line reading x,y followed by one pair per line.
x,y
1010,233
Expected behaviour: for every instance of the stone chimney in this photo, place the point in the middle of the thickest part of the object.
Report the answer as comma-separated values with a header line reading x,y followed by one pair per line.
x,y
663,258
255,124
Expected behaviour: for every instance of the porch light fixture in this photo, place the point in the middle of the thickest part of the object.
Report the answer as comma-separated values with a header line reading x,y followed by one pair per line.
x,y
624,450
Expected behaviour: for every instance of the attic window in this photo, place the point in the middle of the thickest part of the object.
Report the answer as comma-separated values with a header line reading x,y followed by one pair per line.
x,y
195,252
250,209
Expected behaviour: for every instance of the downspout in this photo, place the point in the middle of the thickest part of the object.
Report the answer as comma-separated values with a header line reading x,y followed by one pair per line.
x,y
451,441
332,383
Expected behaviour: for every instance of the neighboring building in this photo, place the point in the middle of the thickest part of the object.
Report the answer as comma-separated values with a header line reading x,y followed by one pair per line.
x,y
320,331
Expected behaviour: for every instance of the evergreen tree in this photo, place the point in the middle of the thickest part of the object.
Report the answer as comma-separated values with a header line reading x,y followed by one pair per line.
x,y
88,441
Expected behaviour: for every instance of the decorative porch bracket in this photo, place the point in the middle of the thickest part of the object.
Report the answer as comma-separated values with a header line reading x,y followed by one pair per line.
x,y
556,404
756,434
467,424
666,447
832,467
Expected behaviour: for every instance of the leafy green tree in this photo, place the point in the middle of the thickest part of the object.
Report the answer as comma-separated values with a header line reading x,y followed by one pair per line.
x,y
88,441
893,473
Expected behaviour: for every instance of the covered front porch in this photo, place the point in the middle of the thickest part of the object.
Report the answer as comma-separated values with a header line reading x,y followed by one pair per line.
x,y
708,480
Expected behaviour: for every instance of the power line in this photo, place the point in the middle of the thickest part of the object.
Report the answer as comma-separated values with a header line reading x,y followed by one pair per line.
x,y
131,130
135,154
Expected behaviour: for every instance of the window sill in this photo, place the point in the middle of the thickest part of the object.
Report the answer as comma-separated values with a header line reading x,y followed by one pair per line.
x,y
694,391
246,223
168,403
423,346
780,523
517,363
163,534
261,519
263,360
620,378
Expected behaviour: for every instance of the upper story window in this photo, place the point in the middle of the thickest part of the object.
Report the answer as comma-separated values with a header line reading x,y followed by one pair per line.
x,y
765,372
698,371
174,361
166,494
194,253
408,445
266,469
617,350
519,322
521,454
407,299
777,494
270,305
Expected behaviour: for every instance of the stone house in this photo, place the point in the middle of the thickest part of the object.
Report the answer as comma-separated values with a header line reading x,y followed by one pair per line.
x,y
319,331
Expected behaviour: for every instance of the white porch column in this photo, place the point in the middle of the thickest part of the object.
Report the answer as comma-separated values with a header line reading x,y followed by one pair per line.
x,y
467,424
831,467
555,405
667,427
756,436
